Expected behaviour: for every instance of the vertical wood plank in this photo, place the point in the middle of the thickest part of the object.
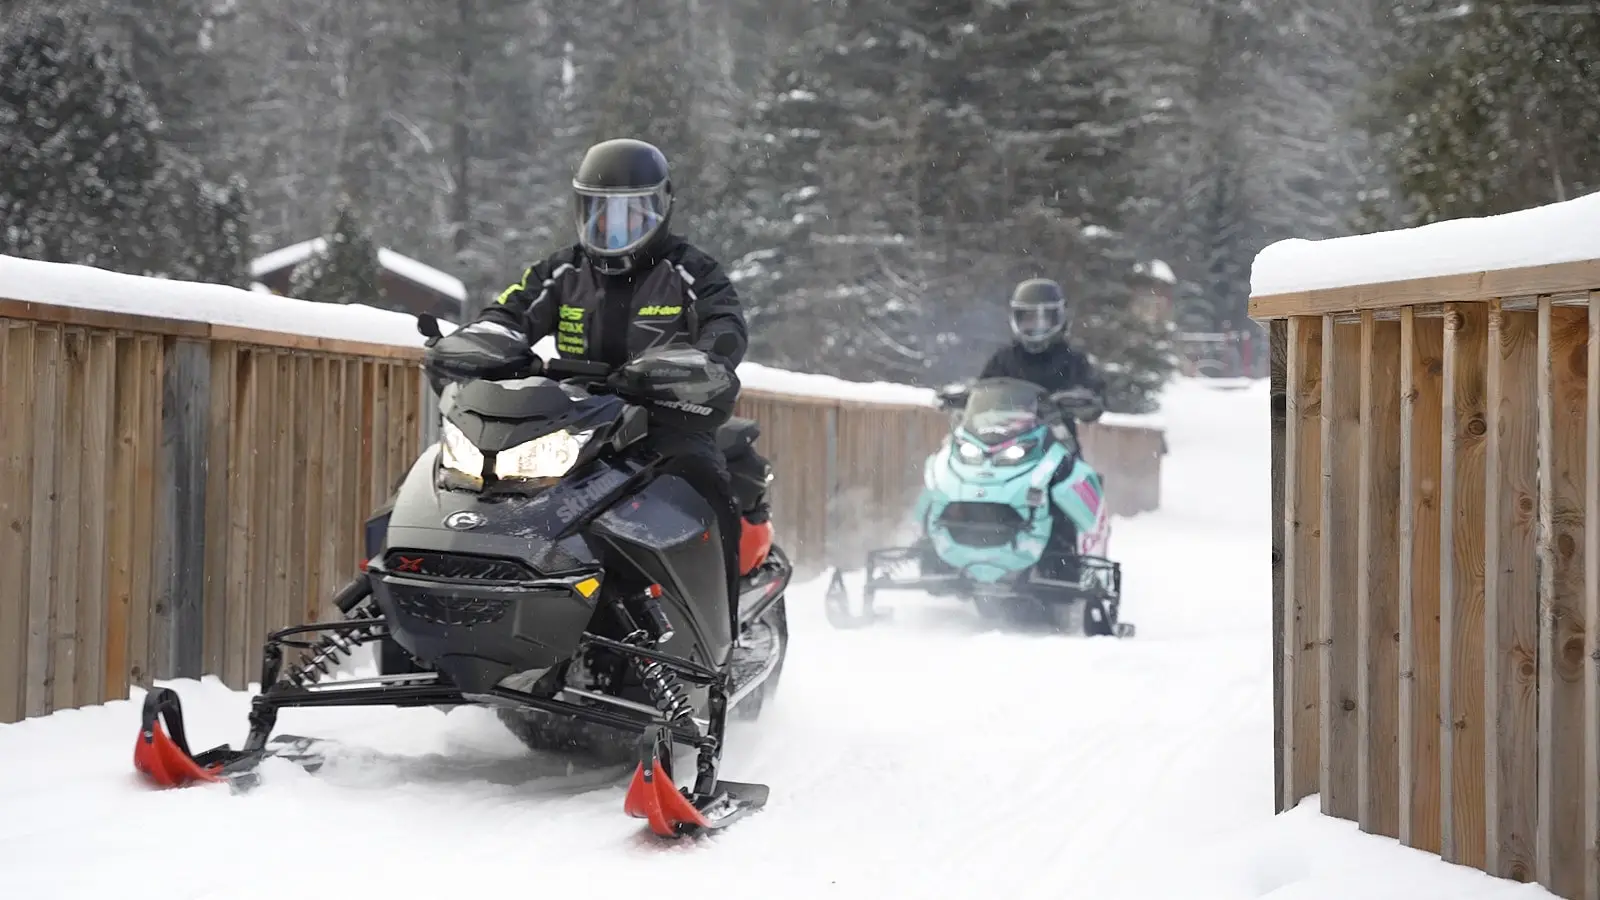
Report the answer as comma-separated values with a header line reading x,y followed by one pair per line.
x,y
1341,459
181,510
98,434
66,503
263,451
1562,634
218,508
1511,461
1377,608
1421,391
356,461
279,522
46,425
1302,559
241,493
318,419
301,409
1461,564
16,512
120,520
1591,606
144,615
1278,344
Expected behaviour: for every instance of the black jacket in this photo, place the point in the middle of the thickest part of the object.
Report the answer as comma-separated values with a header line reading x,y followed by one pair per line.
x,y
680,297
1058,368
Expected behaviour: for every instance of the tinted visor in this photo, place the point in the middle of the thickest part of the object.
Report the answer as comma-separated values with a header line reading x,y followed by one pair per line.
x,y
1038,322
616,222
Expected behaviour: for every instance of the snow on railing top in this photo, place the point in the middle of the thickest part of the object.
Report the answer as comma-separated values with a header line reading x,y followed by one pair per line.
x,y
85,287
1563,232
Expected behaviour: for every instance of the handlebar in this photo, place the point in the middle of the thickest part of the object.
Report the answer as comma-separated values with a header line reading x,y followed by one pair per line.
x,y
575,368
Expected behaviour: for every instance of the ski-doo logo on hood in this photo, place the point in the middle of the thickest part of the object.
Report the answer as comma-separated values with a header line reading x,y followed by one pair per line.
x,y
576,500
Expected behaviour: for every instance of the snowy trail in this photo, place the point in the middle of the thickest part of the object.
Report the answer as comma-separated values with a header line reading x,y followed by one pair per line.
x,y
925,758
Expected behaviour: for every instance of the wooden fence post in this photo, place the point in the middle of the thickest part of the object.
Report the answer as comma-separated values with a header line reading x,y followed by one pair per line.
x,y
1378,559
1511,463
1341,460
1562,632
1461,585
1278,332
1421,486
1302,560
181,506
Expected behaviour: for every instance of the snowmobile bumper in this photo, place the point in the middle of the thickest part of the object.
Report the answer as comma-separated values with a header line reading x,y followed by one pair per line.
x,y
163,756
903,569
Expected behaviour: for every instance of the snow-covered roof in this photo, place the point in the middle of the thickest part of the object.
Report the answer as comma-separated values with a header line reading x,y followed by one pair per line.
x,y
86,287
404,266
1157,269
1563,232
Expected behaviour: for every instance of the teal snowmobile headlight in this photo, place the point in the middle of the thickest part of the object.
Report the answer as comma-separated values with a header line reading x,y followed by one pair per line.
x,y
969,452
543,458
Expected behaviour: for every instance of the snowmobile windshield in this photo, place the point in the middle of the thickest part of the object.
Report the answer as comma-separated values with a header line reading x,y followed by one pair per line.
x,y
615,223
999,409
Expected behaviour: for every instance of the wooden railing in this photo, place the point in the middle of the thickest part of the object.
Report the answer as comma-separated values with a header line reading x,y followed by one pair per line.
x,y
170,490
1436,464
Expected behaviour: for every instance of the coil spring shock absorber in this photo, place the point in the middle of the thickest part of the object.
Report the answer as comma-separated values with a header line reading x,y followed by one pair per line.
x,y
334,646
665,688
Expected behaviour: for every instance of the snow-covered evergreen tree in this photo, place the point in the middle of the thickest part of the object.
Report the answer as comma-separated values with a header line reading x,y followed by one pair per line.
x,y
80,148
344,269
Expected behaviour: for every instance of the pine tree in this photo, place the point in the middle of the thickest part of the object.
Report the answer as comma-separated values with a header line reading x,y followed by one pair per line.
x,y
344,270
80,148
1506,117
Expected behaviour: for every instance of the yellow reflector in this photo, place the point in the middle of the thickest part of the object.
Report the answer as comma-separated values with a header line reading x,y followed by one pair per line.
x,y
588,586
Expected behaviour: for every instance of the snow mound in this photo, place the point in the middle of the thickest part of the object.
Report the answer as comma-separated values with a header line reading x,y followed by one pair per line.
x,y
1568,231
86,287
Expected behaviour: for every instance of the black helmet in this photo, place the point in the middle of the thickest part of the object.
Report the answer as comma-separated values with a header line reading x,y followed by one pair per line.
x,y
1038,313
622,200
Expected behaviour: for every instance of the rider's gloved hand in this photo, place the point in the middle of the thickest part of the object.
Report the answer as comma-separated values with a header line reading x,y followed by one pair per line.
x,y
1080,403
480,350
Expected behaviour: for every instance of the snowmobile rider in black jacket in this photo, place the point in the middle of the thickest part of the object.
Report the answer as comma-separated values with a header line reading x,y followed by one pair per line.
x,y
1040,322
626,287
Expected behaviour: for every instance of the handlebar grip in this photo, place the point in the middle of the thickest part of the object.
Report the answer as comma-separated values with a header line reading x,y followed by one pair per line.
x,y
575,368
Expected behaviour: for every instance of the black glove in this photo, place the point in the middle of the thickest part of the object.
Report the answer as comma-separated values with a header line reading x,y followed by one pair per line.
x,y
480,350
1080,403
681,386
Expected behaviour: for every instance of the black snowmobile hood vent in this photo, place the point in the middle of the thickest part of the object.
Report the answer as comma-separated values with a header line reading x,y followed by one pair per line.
x,y
457,567
974,524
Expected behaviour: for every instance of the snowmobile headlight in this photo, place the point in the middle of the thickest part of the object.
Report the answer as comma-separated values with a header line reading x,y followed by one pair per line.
x,y
969,452
550,456
457,454
1014,452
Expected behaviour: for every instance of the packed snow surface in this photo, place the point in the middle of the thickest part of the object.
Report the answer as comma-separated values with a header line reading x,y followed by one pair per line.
x,y
928,758
1568,231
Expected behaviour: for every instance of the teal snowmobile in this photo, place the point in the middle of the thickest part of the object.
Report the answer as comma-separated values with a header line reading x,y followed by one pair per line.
x,y
1012,519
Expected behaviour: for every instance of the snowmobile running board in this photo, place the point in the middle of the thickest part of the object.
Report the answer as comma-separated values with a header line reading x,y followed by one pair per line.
x,y
162,752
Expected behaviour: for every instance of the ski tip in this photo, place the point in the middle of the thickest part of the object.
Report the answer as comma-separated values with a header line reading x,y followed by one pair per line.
x,y
164,764
656,799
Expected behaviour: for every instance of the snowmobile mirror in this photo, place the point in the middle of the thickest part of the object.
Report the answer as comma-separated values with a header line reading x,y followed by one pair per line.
x,y
428,326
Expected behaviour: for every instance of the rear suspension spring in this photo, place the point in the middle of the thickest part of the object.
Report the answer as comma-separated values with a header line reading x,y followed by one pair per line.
x,y
332,648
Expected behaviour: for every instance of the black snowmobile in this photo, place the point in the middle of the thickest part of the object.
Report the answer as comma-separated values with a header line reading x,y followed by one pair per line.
x,y
535,561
